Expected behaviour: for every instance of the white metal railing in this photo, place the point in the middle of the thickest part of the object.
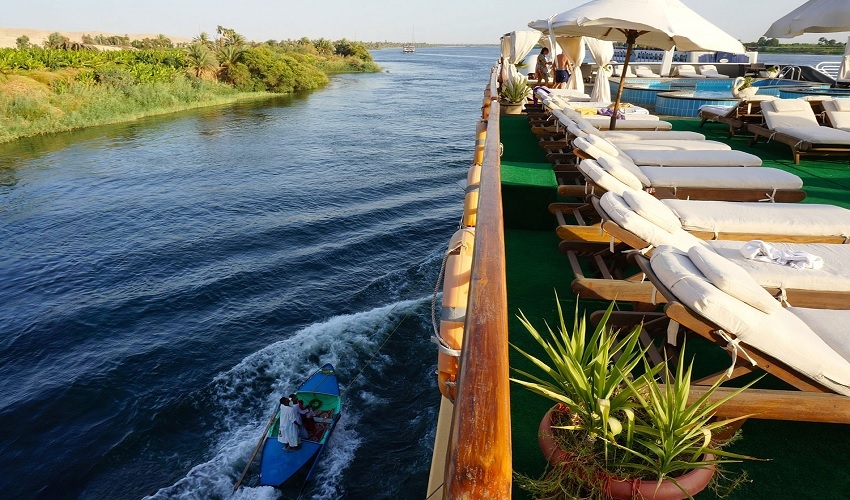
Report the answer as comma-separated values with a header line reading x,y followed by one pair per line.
x,y
829,67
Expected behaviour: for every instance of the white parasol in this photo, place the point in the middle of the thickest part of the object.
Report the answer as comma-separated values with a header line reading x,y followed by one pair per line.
x,y
656,23
814,16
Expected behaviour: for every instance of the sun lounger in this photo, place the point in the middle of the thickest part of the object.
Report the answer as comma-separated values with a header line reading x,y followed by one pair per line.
x,y
792,122
596,147
736,117
710,71
837,113
688,71
609,174
626,229
645,72
618,71
601,122
806,348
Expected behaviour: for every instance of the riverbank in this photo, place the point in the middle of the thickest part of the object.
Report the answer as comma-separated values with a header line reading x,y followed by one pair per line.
x,y
30,105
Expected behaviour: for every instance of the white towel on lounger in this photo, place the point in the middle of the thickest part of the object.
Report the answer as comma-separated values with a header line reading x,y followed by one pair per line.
x,y
765,252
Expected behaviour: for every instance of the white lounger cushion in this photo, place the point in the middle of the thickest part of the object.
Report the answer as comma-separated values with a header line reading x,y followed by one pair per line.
x,y
671,145
617,170
603,122
834,275
721,177
618,211
792,219
695,158
590,169
732,279
611,164
642,135
829,325
781,334
795,117
653,210
838,112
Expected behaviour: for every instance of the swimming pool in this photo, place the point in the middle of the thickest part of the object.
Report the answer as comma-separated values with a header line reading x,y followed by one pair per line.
x,y
688,102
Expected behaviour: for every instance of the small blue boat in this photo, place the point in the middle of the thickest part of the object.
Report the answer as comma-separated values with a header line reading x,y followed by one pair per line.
x,y
280,467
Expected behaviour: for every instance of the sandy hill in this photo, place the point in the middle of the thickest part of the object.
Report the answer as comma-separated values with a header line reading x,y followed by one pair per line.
x,y
8,36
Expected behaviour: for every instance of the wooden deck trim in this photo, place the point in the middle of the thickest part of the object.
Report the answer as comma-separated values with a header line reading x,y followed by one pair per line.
x,y
479,464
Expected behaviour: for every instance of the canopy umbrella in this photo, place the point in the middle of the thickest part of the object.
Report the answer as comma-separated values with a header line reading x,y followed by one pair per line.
x,y
814,16
656,23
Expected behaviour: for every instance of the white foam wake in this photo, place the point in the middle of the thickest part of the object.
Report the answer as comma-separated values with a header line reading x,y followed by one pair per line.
x,y
243,398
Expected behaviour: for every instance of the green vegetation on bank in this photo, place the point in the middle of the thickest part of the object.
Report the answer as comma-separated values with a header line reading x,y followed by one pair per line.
x,y
68,85
772,46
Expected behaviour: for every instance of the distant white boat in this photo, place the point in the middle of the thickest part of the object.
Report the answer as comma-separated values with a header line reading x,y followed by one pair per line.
x,y
410,48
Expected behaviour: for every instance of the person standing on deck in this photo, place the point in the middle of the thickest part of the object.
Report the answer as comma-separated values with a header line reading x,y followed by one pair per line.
x,y
543,67
302,433
563,68
288,433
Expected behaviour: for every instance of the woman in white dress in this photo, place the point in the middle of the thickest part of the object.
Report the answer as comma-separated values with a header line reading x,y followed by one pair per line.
x,y
288,433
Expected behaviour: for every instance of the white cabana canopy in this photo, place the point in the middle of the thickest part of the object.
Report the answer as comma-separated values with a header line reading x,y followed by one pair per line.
x,y
656,23
814,16
601,52
514,47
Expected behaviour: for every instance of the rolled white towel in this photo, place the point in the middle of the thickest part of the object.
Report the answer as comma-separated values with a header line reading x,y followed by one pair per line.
x,y
765,252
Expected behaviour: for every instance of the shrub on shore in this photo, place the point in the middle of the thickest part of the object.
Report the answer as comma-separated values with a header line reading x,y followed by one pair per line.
x,y
46,90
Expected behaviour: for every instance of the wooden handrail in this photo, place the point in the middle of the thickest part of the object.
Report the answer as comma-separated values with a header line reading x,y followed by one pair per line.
x,y
479,462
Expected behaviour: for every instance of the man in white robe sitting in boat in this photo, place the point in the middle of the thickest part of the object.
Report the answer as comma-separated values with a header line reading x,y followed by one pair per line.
x,y
289,418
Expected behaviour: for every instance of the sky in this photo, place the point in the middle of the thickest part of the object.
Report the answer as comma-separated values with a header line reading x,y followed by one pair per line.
x,y
432,21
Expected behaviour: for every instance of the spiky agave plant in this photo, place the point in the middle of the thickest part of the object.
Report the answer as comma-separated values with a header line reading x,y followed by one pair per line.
x,y
674,435
515,90
588,374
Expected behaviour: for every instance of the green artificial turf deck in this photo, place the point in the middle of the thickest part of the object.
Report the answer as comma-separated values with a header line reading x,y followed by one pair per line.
x,y
805,460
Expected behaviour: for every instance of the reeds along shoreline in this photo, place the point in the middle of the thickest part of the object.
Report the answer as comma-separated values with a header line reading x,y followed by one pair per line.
x,y
86,89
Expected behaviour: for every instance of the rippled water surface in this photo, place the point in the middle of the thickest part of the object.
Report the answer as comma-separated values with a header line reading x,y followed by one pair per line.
x,y
163,282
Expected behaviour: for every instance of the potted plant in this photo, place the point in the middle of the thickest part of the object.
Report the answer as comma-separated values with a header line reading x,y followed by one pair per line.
x,y
613,431
742,87
513,95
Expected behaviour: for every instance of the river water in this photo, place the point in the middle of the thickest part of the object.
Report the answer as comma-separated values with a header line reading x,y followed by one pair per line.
x,y
163,282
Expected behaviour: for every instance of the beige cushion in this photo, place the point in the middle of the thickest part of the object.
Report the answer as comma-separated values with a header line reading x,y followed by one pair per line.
x,y
603,145
671,145
841,104
640,135
732,279
784,219
575,130
816,134
621,173
616,209
788,113
592,171
781,334
839,119
764,178
622,161
653,210
786,105
834,275
694,158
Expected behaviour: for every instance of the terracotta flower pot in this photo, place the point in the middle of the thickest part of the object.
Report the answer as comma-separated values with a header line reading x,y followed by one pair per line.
x,y
626,489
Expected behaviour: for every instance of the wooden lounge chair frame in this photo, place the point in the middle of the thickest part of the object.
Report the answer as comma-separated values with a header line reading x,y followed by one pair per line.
x,y
745,113
810,402
799,147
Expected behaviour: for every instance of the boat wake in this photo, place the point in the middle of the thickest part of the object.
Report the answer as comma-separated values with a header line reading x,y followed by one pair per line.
x,y
242,400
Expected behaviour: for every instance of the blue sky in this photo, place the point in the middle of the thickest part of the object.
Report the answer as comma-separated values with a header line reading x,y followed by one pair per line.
x,y
435,21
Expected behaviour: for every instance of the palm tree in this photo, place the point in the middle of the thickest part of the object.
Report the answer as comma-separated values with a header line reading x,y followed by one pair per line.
x,y
203,39
200,59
